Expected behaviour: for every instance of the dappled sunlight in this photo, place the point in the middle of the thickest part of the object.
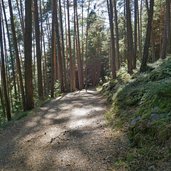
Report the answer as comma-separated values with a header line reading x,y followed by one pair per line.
x,y
45,121
71,156
52,110
79,123
82,117
31,124
69,133
44,108
80,112
65,106
50,116
52,132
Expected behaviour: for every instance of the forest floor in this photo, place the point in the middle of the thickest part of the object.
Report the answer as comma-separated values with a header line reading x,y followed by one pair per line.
x,y
68,133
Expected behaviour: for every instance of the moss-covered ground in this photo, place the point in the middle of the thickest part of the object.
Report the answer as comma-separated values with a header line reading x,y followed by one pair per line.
x,y
141,105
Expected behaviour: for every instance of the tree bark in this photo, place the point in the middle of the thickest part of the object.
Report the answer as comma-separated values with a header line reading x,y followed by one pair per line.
x,y
62,45
86,46
135,32
59,51
79,60
10,50
54,57
3,73
130,49
38,50
165,34
113,64
140,30
168,9
20,17
117,35
17,54
72,69
2,103
143,67
29,103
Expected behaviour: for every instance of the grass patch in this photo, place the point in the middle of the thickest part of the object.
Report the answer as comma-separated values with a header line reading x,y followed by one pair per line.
x,y
142,105
22,114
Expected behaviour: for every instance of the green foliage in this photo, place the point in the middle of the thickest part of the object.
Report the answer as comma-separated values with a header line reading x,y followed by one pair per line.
x,y
57,89
2,118
142,105
97,42
21,115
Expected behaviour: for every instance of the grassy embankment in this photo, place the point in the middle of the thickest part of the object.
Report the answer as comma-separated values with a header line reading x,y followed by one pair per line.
x,y
141,106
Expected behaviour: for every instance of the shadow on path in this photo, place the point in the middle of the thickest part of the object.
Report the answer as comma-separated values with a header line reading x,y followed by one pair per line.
x,y
66,134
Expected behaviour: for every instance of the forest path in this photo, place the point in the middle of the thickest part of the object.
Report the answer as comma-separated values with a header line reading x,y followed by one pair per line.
x,y
67,134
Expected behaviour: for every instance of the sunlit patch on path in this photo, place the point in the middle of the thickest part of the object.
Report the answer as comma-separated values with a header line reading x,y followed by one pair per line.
x,y
69,133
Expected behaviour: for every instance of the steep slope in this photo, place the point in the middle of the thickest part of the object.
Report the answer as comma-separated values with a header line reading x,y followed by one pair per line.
x,y
141,105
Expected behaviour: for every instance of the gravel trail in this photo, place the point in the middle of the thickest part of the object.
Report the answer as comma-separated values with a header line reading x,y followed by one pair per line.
x,y
67,134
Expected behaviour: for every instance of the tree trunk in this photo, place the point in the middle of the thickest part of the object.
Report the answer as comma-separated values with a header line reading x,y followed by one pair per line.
x,y
60,59
72,69
79,60
140,30
113,64
20,17
10,50
62,45
153,48
165,33
143,67
7,67
38,50
168,6
117,35
54,58
3,74
82,37
130,49
86,46
135,32
17,54
29,103
2,103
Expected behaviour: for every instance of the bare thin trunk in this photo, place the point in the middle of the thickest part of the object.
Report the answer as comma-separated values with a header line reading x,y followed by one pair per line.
x,y
17,54
62,44
3,73
72,70
29,102
117,35
130,49
59,50
38,50
135,32
110,11
10,50
148,37
79,60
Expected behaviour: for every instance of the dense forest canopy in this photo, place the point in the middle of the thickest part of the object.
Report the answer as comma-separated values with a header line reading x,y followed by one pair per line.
x,y
49,47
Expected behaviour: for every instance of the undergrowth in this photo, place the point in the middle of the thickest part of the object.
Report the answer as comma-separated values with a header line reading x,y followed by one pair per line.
x,y
22,114
141,104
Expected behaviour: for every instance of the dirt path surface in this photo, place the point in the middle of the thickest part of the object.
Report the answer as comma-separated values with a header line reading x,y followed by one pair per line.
x,y
67,134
